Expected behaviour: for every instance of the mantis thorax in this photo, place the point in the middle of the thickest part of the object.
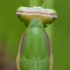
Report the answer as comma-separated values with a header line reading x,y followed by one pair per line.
x,y
36,22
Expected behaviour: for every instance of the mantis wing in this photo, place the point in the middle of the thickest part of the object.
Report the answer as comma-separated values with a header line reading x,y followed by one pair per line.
x,y
18,55
51,54
34,50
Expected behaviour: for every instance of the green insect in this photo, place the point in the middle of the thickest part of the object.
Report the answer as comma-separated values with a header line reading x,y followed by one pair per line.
x,y
34,51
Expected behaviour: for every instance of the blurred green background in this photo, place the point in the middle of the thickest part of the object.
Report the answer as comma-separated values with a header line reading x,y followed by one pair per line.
x,y
11,30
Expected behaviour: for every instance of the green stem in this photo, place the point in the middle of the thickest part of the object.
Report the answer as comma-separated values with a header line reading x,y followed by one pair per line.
x,y
49,29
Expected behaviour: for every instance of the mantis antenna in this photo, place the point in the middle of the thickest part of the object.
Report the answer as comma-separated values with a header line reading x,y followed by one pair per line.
x,y
30,3
44,3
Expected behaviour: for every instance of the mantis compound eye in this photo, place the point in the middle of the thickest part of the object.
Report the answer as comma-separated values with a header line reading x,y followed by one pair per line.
x,y
19,11
54,17
54,14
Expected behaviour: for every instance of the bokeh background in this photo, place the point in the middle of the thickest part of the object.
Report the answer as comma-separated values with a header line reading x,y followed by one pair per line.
x,y
11,30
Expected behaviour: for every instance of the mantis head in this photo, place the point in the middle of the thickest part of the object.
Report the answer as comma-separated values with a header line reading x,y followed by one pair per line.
x,y
26,14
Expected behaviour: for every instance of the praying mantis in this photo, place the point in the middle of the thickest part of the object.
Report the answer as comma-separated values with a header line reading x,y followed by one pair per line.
x,y
34,51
